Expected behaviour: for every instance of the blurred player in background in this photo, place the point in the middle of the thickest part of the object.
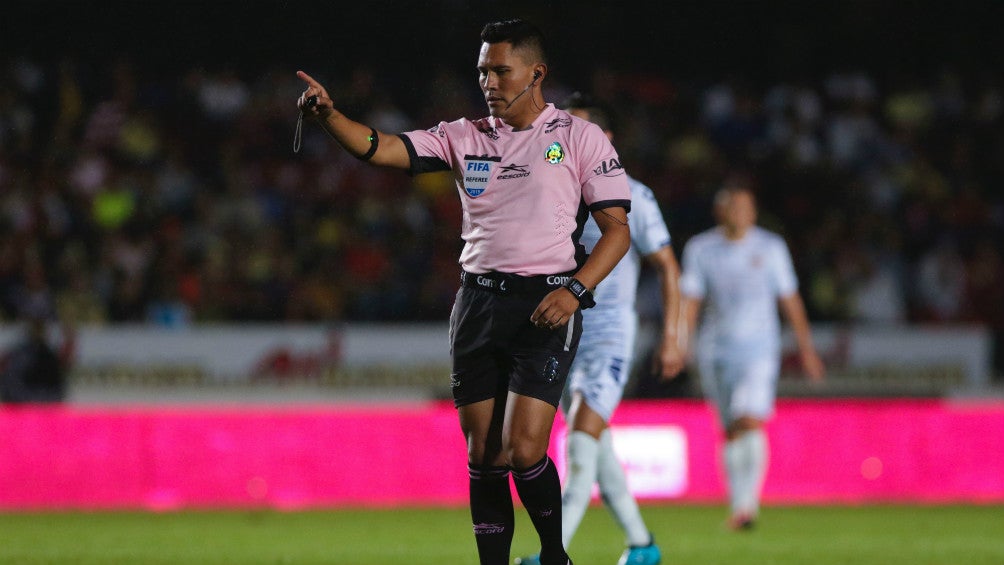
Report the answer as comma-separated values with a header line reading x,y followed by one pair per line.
x,y
603,364
528,177
741,272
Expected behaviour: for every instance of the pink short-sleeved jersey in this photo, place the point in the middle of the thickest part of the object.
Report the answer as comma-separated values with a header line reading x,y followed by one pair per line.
x,y
526,194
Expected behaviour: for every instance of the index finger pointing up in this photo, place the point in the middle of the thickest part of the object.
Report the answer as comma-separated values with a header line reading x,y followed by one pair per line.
x,y
308,79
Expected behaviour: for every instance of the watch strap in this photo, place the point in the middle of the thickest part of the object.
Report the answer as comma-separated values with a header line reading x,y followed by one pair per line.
x,y
581,292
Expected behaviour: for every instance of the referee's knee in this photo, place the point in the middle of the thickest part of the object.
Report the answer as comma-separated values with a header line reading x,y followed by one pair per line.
x,y
522,456
481,458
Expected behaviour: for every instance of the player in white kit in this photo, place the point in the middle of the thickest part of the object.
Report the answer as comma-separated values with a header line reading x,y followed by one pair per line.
x,y
528,176
604,360
740,272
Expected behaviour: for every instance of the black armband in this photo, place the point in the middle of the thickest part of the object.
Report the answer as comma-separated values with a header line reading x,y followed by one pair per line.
x,y
580,291
374,143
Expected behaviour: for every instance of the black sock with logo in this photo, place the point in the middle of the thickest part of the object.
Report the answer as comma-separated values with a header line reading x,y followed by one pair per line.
x,y
539,489
492,513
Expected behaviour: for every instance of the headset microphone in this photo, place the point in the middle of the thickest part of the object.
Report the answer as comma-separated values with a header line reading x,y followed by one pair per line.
x,y
536,77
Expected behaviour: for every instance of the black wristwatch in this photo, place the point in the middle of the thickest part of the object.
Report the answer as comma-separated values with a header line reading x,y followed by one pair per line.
x,y
580,291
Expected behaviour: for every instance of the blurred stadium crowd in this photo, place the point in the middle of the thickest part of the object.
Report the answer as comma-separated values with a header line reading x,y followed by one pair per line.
x,y
176,198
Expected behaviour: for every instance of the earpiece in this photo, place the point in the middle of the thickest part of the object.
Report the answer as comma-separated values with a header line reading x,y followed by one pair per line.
x,y
536,76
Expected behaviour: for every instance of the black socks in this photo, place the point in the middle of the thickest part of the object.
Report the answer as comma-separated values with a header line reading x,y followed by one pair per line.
x,y
492,513
539,489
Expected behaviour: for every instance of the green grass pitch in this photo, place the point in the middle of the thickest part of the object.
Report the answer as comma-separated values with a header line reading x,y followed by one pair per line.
x,y
688,534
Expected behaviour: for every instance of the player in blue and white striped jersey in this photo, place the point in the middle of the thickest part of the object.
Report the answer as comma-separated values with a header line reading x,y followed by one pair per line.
x,y
740,272
602,365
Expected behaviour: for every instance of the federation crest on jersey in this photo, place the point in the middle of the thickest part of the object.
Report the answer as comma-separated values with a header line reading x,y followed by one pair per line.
x,y
555,153
478,171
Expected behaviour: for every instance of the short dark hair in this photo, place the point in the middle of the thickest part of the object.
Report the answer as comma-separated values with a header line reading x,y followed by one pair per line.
x,y
736,183
520,33
599,113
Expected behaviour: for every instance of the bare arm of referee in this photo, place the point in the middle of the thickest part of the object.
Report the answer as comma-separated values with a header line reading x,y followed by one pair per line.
x,y
351,135
560,304
609,249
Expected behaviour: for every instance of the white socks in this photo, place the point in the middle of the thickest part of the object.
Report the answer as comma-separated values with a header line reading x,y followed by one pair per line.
x,y
582,459
590,462
617,497
746,459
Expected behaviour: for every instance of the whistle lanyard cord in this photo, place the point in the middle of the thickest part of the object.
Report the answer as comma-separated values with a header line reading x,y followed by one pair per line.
x,y
298,134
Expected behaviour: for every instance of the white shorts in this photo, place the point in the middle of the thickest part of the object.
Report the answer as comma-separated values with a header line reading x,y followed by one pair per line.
x,y
600,376
741,388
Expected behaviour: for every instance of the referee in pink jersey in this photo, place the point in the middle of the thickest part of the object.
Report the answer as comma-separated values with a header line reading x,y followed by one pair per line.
x,y
528,176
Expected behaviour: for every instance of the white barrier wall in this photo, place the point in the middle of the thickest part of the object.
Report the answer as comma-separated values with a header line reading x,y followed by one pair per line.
x,y
233,353
227,353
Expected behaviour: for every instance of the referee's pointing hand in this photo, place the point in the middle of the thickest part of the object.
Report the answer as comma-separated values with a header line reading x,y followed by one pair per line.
x,y
324,104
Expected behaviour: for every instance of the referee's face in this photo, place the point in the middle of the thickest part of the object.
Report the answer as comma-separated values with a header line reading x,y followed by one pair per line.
x,y
504,76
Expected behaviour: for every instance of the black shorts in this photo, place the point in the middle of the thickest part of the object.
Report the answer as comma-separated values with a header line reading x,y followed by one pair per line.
x,y
496,349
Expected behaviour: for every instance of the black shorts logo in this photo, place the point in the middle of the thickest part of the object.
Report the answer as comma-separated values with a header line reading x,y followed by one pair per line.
x,y
551,369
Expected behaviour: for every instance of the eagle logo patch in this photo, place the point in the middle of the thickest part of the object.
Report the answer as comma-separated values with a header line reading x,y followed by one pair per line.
x,y
555,153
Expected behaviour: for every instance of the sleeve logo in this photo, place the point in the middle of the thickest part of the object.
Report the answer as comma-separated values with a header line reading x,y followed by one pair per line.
x,y
609,168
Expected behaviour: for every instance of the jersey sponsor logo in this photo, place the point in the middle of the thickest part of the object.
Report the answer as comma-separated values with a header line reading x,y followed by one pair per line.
x,y
610,168
490,283
488,131
438,130
477,173
555,153
513,171
557,123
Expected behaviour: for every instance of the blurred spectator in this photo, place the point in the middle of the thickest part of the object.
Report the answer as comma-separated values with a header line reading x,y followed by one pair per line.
x,y
876,294
78,302
941,283
166,309
33,370
985,292
222,96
